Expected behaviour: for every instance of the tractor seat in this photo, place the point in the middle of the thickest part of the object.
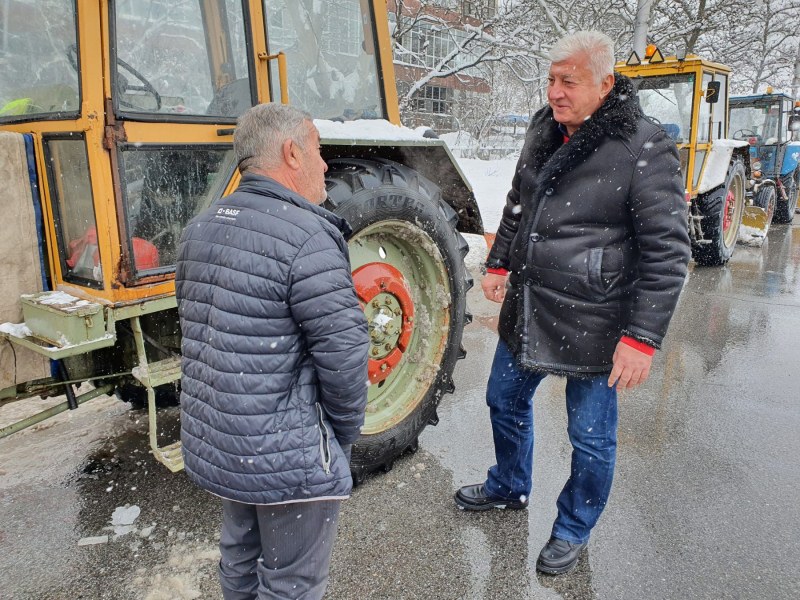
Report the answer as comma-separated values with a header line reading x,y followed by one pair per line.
x,y
672,130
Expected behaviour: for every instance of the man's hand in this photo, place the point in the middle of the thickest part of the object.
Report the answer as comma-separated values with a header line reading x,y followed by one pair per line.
x,y
494,287
631,367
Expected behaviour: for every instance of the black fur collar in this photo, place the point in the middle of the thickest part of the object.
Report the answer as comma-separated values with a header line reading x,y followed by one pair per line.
x,y
618,116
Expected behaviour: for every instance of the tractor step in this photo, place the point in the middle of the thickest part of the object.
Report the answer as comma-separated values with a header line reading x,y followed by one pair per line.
x,y
151,375
171,456
158,373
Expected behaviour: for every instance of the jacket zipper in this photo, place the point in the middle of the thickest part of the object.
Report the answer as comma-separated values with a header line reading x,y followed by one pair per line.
x,y
324,442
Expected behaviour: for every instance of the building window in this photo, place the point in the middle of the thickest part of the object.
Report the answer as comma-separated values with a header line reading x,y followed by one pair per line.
x,y
343,30
479,9
433,99
428,45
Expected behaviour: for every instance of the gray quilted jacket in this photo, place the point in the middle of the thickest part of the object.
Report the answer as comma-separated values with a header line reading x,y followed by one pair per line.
x,y
274,367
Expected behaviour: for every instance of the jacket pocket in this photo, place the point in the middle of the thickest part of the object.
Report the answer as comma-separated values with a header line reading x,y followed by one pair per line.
x,y
601,281
324,441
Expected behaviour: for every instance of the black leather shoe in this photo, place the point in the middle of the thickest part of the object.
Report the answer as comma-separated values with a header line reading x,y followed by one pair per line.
x,y
473,497
559,556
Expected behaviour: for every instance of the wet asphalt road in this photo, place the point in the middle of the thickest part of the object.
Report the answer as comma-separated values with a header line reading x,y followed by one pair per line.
x,y
704,505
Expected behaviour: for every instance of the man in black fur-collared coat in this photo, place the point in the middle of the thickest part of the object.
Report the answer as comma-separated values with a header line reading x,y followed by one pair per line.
x,y
589,261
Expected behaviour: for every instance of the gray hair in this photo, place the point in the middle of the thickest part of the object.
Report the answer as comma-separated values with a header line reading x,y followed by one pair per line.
x,y
261,132
597,46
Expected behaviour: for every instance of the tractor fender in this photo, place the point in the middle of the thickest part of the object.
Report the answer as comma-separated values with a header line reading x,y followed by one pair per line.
x,y
718,161
791,158
430,157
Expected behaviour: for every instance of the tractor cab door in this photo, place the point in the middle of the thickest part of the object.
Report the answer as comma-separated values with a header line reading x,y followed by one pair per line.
x,y
180,75
331,55
669,100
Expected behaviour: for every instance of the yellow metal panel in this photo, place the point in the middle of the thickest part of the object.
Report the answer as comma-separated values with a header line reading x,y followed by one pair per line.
x,y
381,13
178,133
259,48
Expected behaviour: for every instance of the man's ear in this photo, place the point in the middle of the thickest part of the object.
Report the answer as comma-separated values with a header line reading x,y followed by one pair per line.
x,y
607,85
290,153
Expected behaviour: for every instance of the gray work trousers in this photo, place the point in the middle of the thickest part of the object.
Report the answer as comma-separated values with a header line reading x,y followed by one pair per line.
x,y
276,551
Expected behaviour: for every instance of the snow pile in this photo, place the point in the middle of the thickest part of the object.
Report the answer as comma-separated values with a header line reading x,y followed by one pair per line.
x,y
461,143
477,253
57,299
490,180
367,129
17,330
751,236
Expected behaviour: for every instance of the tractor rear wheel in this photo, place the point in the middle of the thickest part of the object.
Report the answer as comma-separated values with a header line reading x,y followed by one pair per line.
x,y
784,211
408,270
722,211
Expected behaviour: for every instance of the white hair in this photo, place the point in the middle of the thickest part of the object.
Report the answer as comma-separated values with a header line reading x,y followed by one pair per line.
x,y
261,132
595,45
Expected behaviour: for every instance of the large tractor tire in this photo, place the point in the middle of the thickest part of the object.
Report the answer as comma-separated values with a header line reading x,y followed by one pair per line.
x,y
722,211
409,274
784,211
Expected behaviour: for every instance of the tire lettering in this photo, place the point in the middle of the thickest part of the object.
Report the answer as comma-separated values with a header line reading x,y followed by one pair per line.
x,y
392,201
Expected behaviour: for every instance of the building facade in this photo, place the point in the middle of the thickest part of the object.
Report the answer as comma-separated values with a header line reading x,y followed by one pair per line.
x,y
432,40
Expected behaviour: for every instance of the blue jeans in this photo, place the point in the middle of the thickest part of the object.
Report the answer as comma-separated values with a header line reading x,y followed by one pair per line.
x,y
592,428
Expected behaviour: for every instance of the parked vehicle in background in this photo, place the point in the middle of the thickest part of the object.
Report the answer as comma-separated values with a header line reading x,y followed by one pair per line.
x,y
116,125
765,122
688,97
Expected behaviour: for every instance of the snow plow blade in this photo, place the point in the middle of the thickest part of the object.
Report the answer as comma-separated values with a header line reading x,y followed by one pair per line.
x,y
755,224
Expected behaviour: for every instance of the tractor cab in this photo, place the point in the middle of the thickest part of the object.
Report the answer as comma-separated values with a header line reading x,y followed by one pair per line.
x,y
770,124
688,97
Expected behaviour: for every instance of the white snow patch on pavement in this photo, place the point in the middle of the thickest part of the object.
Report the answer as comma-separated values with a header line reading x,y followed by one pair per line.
x,y
94,540
183,576
123,518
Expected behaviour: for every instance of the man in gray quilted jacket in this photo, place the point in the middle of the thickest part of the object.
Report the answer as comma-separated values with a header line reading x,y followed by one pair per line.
x,y
274,368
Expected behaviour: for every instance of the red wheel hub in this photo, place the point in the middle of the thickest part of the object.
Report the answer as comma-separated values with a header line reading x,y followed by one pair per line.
x,y
386,299
728,210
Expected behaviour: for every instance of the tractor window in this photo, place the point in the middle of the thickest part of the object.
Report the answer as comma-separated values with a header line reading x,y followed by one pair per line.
x,y
71,197
180,58
38,60
163,188
704,119
330,54
719,110
668,100
756,123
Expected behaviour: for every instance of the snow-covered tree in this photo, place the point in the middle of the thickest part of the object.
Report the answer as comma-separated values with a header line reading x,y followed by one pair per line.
x,y
437,39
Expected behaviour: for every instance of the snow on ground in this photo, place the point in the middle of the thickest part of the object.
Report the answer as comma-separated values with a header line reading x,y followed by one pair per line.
x,y
490,180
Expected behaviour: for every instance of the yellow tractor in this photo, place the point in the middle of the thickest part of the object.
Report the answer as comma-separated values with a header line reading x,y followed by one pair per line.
x,y
688,97
116,125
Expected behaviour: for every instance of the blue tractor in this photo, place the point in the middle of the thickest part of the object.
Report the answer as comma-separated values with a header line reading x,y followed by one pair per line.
x,y
770,123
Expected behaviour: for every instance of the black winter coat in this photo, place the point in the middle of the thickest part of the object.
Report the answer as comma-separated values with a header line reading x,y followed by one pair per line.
x,y
274,367
594,234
